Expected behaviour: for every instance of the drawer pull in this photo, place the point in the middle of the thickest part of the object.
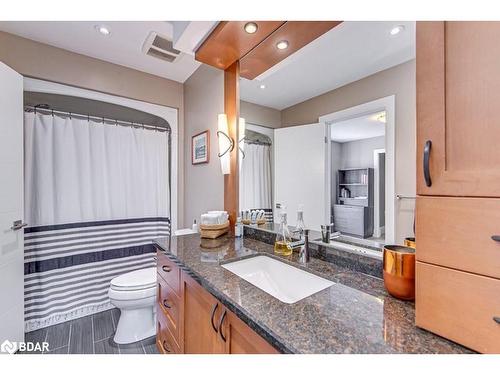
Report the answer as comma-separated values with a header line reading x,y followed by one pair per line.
x,y
496,238
496,319
427,155
220,325
166,268
166,304
164,346
212,317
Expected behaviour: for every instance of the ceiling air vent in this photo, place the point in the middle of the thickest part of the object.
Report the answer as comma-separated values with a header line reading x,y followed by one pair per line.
x,y
160,47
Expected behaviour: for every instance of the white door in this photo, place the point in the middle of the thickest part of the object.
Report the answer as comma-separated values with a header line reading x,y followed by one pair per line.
x,y
299,160
11,206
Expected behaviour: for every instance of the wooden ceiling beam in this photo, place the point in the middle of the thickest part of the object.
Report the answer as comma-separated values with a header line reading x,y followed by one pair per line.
x,y
297,33
229,42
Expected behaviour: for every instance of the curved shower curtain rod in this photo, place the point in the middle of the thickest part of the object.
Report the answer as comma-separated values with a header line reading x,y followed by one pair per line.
x,y
104,120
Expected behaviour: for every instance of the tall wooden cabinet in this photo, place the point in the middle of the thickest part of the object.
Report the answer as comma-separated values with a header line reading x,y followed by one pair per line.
x,y
458,182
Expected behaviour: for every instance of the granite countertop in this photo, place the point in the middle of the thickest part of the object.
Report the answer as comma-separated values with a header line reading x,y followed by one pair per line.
x,y
355,315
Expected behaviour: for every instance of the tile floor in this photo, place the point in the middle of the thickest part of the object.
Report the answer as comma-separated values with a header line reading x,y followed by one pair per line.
x,y
91,334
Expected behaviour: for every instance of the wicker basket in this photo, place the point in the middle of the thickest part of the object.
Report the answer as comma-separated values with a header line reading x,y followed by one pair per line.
x,y
258,222
213,230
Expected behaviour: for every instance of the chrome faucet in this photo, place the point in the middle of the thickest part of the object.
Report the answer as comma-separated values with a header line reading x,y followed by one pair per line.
x,y
304,250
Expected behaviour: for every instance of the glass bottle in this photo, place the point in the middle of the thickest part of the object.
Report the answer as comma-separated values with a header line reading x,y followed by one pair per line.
x,y
283,238
299,228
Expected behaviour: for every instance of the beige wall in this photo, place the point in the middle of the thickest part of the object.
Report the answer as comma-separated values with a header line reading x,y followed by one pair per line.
x,y
204,183
260,115
49,63
398,81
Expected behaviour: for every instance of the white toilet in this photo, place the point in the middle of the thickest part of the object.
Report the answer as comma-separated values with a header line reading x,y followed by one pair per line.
x,y
134,293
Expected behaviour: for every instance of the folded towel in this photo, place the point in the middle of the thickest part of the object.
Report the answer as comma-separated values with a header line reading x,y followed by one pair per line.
x,y
209,219
214,217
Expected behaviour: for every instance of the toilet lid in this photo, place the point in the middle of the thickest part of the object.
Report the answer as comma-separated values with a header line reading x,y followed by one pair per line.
x,y
135,280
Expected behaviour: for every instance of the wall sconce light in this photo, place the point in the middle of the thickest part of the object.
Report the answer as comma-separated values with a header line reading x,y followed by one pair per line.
x,y
226,143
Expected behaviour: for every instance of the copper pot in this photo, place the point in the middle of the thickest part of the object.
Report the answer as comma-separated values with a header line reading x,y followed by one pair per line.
x,y
399,271
410,242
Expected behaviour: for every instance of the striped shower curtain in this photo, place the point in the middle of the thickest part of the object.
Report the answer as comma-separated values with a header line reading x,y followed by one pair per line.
x,y
95,197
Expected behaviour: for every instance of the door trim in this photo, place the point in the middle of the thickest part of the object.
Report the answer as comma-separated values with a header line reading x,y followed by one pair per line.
x,y
388,105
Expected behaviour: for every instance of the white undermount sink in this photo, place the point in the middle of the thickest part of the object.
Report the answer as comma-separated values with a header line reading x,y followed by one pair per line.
x,y
287,283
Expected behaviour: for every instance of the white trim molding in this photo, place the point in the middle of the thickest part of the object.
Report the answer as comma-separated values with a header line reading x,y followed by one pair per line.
x,y
386,104
377,228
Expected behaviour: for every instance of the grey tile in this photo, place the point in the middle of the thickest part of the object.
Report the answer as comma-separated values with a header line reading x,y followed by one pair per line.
x,y
58,335
106,346
116,316
81,341
133,348
38,336
103,325
63,350
149,345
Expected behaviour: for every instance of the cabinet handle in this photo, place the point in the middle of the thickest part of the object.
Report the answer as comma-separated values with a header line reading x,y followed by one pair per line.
x,y
496,238
427,155
220,325
166,268
496,319
166,304
164,346
214,309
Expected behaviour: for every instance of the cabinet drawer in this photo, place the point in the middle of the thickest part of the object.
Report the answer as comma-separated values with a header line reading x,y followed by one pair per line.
x,y
457,233
349,219
459,306
168,307
169,271
164,340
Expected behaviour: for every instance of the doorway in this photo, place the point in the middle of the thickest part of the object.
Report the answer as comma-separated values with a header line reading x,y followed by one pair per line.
x,y
383,106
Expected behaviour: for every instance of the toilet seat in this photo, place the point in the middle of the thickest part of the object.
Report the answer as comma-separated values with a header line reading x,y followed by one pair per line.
x,y
135,281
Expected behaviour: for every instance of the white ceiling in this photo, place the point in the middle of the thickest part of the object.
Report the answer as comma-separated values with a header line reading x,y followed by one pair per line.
x,y
123,46
357,128
347,53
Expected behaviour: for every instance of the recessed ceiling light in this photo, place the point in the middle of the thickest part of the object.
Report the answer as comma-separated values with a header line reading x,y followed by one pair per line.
x,y
104,30
251,27
282,44
397,29
262,87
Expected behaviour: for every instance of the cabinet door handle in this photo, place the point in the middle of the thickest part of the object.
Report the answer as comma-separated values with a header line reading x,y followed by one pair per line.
x,y
214,309
496,238
166,268
221,321
164,346
427,155
496,319
166,304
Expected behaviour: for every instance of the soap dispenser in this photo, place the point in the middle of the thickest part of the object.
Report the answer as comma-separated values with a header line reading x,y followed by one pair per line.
x,y
283,239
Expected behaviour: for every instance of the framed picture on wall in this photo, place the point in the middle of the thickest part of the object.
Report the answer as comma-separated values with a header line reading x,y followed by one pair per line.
x,y
200,148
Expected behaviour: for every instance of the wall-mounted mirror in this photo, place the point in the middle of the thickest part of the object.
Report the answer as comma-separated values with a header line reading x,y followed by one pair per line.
x,y
331,130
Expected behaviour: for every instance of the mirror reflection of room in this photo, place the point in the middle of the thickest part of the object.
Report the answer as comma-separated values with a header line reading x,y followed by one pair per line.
x,y
256,170
337,120
358,175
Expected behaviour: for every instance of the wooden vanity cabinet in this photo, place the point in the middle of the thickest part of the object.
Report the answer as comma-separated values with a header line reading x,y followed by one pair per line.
x,y
458,182
191,320
202,314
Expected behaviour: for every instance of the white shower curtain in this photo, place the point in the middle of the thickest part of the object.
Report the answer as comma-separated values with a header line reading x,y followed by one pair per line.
x,y
78,170
255,179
